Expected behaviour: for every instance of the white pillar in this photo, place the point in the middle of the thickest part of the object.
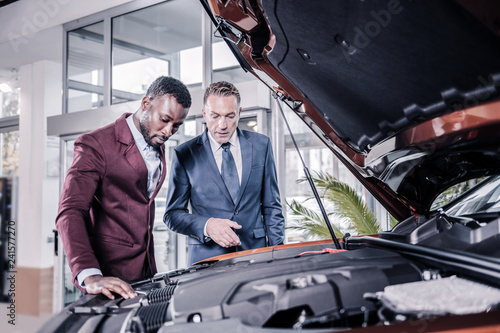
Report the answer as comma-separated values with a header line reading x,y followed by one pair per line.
x,y
41,96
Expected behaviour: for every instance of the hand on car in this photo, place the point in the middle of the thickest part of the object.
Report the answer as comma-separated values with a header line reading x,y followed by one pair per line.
x,y
221,231
96,284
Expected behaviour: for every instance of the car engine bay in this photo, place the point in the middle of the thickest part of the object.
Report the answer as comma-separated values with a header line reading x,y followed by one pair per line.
x,y
307,288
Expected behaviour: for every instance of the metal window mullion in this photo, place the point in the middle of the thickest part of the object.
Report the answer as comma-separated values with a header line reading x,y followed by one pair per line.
x,y
65,73
59,289
206,46
9,124
108,65
111,12
262,121
85,87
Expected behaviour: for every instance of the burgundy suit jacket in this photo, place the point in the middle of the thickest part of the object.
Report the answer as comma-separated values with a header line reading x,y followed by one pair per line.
x,y
105,216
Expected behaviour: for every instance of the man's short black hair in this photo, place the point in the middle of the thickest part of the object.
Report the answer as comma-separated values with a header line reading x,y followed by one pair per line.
x,y
168,85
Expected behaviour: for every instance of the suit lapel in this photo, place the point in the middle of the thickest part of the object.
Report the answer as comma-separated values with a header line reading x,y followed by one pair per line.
x,y
246,148
207,159
132,154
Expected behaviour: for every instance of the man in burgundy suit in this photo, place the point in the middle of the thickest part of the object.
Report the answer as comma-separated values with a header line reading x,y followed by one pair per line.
x,y
106,210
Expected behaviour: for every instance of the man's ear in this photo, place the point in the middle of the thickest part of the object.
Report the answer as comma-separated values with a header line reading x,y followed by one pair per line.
x,y
145,103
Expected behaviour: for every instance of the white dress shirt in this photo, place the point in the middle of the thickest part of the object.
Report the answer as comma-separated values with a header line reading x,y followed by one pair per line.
x,y
150,155
217,151
235,151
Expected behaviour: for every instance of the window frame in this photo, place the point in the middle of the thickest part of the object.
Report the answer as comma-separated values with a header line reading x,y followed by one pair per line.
x,y
106,17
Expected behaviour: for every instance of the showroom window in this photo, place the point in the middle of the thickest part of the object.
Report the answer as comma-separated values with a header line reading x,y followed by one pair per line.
x,y
113,57
225,67
9,100
10,153
164,39
9,171
85,67
318,159
9,130
70,292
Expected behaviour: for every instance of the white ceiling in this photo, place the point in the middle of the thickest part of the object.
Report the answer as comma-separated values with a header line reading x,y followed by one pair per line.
x,y
31,30
41,47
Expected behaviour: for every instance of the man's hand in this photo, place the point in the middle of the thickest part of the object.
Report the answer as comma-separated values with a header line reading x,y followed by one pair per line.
x,y
221,231
96,284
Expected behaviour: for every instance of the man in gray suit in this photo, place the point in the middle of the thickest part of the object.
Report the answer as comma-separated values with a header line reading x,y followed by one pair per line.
x,y
228,176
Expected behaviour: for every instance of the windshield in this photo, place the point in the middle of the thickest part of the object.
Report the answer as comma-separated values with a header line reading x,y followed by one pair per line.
x,y
486,199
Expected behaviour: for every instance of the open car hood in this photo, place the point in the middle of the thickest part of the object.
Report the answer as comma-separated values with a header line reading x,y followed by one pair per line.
x,y
405,93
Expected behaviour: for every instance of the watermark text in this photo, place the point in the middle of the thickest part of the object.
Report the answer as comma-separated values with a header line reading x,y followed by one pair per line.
x,y
11,272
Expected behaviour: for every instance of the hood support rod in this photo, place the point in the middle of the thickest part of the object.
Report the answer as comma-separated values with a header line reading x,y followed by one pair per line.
x,y
307,173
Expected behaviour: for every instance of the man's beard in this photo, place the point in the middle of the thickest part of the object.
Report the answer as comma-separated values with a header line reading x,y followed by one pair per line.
x,y
146,131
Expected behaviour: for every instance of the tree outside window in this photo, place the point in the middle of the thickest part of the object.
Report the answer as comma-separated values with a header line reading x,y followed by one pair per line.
x,y
10,140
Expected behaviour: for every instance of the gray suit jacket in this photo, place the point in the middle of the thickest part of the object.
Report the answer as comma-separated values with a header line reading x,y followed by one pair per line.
x,y
195,180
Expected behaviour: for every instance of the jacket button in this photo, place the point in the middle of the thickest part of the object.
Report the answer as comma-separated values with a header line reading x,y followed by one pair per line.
x,y
235,212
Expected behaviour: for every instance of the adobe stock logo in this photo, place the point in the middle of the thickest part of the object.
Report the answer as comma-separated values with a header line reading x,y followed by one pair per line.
x,y
364,35
38,21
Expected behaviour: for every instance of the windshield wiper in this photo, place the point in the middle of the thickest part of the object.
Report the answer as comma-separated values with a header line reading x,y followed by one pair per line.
x,y
308,174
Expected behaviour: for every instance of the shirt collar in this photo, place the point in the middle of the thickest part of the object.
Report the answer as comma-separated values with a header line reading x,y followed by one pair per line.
x,y
216,146
138,137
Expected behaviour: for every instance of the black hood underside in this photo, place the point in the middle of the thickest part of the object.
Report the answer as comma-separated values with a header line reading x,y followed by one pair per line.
x,y
373,68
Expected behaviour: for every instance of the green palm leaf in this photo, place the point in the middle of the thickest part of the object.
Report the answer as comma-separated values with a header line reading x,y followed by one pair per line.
x,y
348,207
352,208
310,222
